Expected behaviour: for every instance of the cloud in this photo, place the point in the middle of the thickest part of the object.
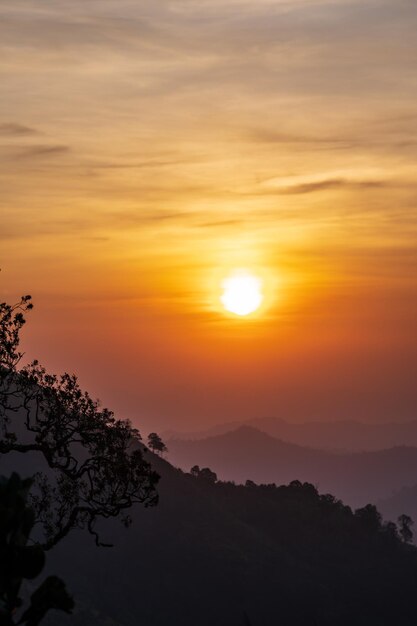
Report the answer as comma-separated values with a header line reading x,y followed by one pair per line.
x,y
272,136
335,183
366,178
220,223
143,217
42,151
12,129
186,106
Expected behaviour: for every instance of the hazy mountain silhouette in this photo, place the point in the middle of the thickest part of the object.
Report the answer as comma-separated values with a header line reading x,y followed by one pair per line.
x,y
211,553
335,436
247,453
217,554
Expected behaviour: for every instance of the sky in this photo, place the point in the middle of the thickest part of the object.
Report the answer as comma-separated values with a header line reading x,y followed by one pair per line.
x,y
149,149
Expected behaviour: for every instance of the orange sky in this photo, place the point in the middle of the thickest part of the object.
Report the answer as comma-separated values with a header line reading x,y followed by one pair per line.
x,y
150,148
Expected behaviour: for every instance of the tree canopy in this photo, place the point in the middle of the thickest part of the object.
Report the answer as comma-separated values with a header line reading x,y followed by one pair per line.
x,y
156,444
20,561
95,462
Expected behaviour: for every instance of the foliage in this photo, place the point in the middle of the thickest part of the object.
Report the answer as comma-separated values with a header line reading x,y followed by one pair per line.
x,y
19,561
287,555
349,554
405,522
97,461
205,474
156,444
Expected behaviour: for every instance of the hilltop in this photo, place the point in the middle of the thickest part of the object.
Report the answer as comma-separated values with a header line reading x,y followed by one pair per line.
x,y
337,435
216,554
247,453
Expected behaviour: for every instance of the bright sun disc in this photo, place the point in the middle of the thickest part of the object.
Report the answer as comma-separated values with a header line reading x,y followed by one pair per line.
x,y
242,293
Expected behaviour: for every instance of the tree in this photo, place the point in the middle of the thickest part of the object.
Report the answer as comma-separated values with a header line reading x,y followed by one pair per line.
x,y
95,463
370,518
156,444
208,476
195,471
405,532
19,561
205,474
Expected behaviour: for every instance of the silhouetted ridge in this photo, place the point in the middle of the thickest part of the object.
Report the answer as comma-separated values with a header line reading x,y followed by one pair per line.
x,y
211,551
337,435
247,453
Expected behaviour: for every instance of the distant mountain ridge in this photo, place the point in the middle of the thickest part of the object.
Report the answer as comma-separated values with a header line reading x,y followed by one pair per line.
x,y
247,453
347,436
218,554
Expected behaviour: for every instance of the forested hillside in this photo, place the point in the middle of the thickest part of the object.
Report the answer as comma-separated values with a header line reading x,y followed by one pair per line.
x,y
248,453
210,553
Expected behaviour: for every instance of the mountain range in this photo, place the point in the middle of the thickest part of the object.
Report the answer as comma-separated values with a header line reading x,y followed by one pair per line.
x,y
345,436
217,554
247,453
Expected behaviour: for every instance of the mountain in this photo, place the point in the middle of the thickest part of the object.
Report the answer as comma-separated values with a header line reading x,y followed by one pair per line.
x,y
348,436
216,554
248,453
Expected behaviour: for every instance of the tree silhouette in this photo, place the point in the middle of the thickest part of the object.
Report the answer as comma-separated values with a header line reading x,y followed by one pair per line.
x,y
195,471
19,561
371,519
156,444
405,522
205,474
96,464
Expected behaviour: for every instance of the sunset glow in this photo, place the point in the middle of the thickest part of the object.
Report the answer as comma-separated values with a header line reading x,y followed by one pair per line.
x,y
163,146
208,312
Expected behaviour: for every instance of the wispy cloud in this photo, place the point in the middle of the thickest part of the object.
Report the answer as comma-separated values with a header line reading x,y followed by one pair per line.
x,y
220,223
32,152
222,116
12,129
360,179
334,183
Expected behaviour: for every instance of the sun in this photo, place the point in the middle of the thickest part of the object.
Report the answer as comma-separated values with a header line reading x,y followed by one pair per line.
x,y
242,293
